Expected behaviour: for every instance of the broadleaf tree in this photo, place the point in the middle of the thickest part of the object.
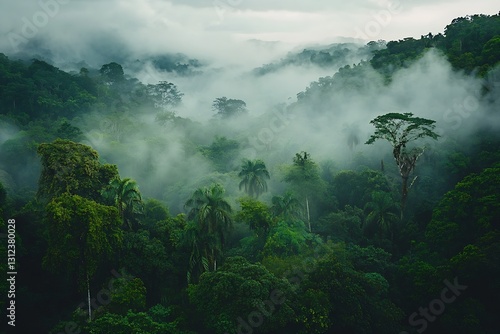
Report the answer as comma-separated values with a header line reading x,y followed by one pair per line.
x,y
400,130
81,233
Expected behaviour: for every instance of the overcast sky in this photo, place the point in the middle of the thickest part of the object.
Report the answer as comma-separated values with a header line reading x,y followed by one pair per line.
x,y
221,28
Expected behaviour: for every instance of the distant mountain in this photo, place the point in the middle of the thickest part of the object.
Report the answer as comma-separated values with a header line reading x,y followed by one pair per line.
x,y
331,56
177,63
103,50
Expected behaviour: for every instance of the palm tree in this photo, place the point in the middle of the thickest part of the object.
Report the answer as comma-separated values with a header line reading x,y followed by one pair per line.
x,y
125,195
286,206
254,175
351,132
304,176
382,213
201,245
212,215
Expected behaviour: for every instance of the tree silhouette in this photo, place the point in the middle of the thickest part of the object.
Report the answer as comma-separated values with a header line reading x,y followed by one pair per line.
x,y
254,175
400,130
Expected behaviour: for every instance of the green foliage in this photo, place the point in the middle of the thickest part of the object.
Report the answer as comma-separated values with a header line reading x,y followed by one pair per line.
x,y
145,256
286,207
212,218
369,259
355,288
81,234
347,81
356,301
132,322
228,108
112,73
127,294
257,215
401,129
467,213
469,43
381,214
222,153
68,167
238,289
165,96
285,240
42,90
329,57
68,131
314,312
344,225
154,211
3,196
355,188
304,175
125,195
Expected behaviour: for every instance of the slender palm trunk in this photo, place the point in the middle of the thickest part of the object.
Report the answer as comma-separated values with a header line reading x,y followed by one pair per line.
x,y
308,216
88,298
215,260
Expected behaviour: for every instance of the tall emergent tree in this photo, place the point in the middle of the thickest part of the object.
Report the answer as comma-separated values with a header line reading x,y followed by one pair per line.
x,y
69,167
81,233
400,130
81,230
304,176
254,175
212,215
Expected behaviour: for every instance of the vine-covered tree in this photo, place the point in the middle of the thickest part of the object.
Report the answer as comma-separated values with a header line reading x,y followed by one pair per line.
x,y
68,167
81,233
400,130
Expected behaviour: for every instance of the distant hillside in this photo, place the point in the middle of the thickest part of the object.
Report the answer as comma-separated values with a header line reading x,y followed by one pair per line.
x,y
471,43
333,56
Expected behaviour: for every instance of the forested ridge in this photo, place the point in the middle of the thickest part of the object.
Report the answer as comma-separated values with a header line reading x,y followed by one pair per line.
x,y
172,225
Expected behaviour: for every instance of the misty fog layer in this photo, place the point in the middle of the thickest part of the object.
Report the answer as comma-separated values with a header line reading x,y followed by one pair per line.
x,y
167,163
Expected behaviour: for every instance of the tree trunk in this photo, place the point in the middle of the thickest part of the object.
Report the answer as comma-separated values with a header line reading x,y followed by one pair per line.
x,y
215,260
404,194
88,298
308,217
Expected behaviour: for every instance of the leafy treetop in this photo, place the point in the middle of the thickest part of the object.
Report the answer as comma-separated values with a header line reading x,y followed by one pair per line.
x,y
399,129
